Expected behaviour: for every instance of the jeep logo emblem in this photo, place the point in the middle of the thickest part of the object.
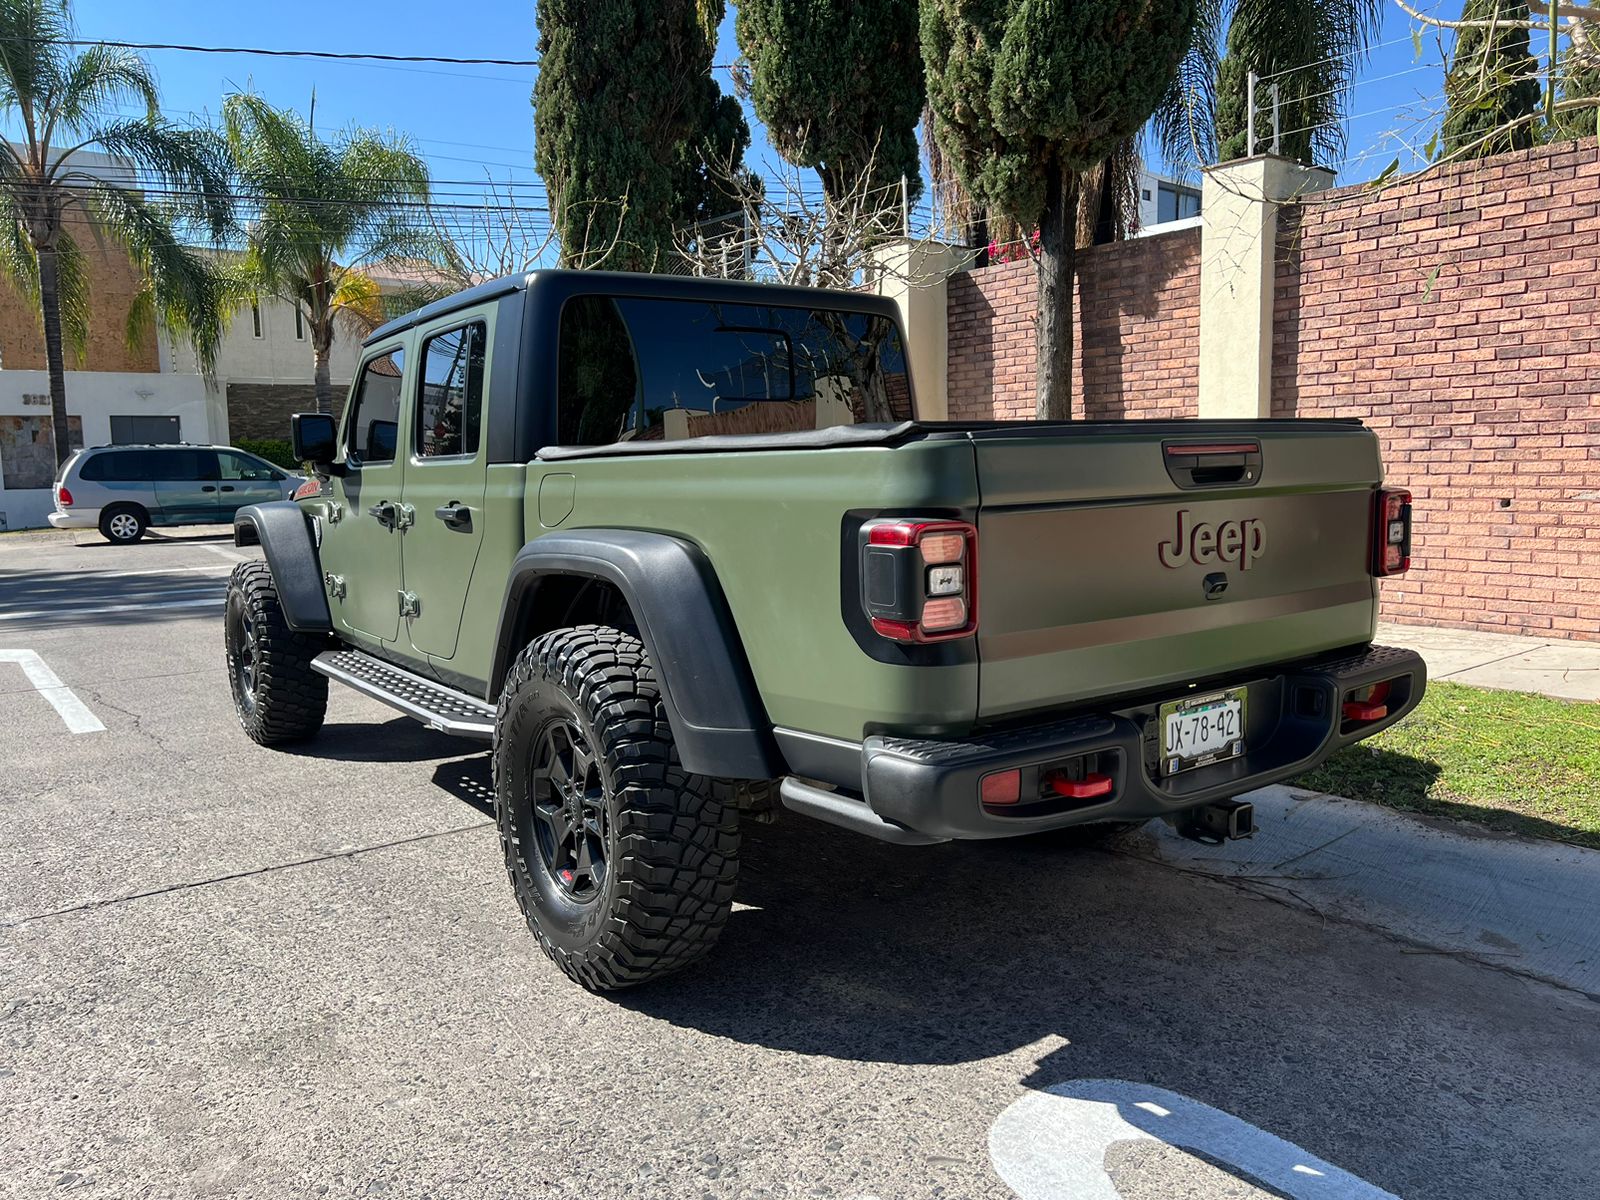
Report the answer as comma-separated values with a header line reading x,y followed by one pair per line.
x,y
1238,543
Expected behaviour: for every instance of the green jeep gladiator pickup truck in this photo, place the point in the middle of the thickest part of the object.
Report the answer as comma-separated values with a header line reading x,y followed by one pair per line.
x,y
681,551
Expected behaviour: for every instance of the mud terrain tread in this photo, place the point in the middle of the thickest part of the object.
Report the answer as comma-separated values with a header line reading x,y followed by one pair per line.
x,y
676,835
291,698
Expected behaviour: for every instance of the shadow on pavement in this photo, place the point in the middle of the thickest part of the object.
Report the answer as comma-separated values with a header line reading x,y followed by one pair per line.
x,y
951,954
398,740
49,597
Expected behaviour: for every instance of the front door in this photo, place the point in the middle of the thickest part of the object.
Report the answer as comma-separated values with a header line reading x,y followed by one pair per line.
x,y
184,479
446,477
362,547
244,479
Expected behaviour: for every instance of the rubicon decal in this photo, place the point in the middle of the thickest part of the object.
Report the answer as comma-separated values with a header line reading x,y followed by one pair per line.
x,y
1237,543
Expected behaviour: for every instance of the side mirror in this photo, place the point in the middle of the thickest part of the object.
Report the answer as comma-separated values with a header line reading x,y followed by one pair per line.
x,y
315,438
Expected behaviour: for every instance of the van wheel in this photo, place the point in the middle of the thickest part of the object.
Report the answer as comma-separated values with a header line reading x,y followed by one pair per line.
x,y
123,524
622,863
277,695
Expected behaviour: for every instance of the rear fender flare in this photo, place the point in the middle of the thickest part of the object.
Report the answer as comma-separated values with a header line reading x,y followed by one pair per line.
x,y
717,718
284,532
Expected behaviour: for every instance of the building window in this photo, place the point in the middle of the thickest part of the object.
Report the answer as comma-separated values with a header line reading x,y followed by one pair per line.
x,y
255,320
1144,194
299,325
1174,203
145,430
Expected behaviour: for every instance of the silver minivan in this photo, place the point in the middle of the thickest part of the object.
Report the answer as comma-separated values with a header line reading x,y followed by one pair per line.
x,y
123,490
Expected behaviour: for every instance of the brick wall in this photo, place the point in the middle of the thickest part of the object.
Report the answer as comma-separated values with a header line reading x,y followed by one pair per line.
x,y
113,283
1138,329
1459,316
262,410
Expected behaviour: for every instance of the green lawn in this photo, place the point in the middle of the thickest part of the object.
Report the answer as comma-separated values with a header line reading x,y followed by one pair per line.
x,y
1507,760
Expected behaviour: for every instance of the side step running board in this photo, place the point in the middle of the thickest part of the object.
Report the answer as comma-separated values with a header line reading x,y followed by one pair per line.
x,y
430,702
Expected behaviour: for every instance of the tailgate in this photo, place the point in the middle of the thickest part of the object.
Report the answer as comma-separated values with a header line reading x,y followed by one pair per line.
x,y
1111,561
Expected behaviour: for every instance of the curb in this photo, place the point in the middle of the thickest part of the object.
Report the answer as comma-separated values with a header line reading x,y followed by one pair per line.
x,y
1519,904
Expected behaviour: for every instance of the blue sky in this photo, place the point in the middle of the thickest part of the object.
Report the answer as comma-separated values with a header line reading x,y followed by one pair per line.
x,y
469,120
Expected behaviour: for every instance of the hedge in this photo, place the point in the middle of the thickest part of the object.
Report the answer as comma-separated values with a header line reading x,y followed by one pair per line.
x,y
277,451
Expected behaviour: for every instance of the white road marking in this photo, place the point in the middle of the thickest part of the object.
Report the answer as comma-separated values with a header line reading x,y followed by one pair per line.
x,y
1051,1145
90,573
213,600
227,554
63,699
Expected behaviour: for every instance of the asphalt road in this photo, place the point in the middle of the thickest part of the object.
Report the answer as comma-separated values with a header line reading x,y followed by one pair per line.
x,y
227,971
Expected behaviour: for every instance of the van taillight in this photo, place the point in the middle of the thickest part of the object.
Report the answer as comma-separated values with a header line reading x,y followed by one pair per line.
x,y
63,497
1391,531
919,579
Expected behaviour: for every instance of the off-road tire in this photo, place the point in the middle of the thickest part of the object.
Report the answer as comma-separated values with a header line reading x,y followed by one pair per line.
x,y
121,533
288,700
671,839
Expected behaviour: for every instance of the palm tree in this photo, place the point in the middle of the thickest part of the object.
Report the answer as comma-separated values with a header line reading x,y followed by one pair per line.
x,y
65,104
325,208
1309,48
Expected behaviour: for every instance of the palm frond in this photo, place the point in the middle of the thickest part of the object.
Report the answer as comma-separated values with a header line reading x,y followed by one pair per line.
x,y
186,288
193,162
31,56
99,79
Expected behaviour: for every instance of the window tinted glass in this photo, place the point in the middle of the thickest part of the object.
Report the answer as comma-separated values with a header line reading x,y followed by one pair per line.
x,y
646,369
450,408
375,418
146,429
173,464
93,468
241,466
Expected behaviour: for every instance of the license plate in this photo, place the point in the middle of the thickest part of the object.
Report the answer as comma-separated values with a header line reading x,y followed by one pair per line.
x,y
1200,730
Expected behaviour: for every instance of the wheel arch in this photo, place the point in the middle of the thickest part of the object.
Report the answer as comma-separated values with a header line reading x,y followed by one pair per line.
x,y
678,609
284,533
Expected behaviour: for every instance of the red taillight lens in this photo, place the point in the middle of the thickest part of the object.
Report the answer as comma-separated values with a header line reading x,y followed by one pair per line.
x,y
1391,531
63,496
1001,787
919,579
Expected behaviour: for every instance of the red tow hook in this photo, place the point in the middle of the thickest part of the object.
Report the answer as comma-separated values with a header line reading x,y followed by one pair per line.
x,y
1374,708
1086,788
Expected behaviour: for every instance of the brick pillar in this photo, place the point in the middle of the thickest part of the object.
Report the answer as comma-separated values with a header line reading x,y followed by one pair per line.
x,y
1239,236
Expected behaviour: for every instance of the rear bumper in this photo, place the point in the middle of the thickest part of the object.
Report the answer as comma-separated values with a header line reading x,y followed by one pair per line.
x,y
77,519
1295,722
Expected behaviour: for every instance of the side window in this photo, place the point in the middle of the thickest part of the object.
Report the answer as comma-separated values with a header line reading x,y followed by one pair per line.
x,y
94,468
450,406
176,465
375,412
242,467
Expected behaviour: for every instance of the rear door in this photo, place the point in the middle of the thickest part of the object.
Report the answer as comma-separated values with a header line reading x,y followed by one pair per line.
x,y
362,547
447,475
1117,558
185,483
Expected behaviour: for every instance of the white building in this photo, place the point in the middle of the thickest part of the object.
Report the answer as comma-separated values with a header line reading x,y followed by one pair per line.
x,y
1164,200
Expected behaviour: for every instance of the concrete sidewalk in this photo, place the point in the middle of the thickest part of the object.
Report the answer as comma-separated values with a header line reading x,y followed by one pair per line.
x,y
1569,670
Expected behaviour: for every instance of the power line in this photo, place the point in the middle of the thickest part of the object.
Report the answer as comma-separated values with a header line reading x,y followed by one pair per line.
x,y
334,55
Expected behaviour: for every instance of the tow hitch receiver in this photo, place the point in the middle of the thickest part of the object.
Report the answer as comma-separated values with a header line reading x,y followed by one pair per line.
x,y
1224,821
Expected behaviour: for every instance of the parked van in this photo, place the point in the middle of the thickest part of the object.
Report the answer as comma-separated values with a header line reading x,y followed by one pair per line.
x,y
123,490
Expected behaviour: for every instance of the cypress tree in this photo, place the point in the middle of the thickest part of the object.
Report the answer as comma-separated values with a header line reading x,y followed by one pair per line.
x,y
1493,81
626,120
1026,95
1580,80
838,85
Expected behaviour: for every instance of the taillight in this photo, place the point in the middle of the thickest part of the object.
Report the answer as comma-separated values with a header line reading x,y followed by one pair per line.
x,y
63,497
1391,531
919,579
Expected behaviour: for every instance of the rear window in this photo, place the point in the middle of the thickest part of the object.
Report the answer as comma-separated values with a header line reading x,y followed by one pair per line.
x,y
635,369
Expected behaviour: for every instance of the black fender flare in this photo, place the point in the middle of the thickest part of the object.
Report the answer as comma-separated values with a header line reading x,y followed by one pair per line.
x,y
283,531
717,718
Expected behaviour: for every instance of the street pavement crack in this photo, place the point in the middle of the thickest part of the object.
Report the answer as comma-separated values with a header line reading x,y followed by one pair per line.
x,y
272,868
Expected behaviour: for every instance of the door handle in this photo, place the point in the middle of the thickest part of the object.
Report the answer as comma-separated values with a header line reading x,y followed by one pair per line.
x,y
455,514
227,487
208,488
384,511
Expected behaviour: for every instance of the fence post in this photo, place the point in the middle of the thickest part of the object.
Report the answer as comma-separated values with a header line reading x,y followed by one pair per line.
x,y
1250,115
1239,209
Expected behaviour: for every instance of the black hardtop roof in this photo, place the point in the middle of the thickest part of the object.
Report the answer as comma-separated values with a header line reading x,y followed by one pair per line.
x,y
560,284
